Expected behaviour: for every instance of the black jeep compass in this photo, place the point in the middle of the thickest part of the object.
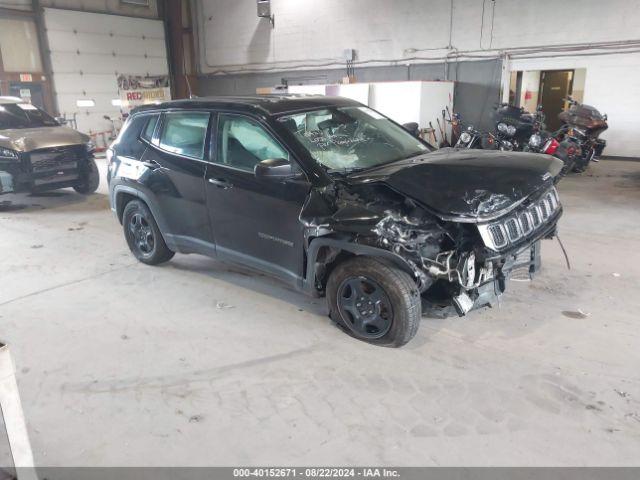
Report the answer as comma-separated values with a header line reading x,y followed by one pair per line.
x,y
332,198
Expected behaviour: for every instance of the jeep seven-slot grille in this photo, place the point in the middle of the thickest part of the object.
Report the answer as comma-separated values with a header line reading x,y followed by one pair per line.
x,y
513,228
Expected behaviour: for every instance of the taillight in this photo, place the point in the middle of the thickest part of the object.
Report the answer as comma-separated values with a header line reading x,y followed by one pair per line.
x,y
571,150
551,146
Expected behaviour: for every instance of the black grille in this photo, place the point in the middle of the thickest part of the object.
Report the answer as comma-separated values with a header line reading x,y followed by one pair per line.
x,y
60,158
525,223
498,235
544,210
535,216
512,229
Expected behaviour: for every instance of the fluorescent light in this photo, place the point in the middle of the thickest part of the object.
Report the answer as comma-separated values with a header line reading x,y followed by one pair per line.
x,y
85,103
116,102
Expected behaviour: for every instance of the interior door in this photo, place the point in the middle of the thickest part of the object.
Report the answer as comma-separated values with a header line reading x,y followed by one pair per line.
x,y
555,86
255,221
177,165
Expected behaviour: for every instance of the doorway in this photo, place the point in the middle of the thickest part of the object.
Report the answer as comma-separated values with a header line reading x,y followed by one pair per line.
x,y
29,92
555,87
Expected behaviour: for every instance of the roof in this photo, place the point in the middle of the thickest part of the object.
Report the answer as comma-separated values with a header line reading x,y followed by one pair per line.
x,y
269,104
10,100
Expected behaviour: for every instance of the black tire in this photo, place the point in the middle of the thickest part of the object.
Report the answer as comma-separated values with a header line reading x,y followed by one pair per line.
x,y
579,168
143,235
90,180
390,326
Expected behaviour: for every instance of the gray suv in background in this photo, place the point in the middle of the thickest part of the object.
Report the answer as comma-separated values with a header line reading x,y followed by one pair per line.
x,y
37,153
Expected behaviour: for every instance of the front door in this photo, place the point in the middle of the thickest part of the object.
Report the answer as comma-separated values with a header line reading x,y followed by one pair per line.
x,y
176,160
555,86
255,221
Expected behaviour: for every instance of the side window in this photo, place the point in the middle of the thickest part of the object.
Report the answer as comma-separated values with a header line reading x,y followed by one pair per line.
x,y
243,143
147,133
184,133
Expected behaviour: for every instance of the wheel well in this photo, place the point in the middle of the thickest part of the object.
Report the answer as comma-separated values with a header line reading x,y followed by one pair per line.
x,y
328,259
121,201
332,253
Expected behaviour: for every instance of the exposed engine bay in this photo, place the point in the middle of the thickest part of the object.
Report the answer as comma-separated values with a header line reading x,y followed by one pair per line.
x,y
458,264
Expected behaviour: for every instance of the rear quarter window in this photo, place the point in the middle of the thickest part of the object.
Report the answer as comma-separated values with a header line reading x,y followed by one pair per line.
x,y
129,143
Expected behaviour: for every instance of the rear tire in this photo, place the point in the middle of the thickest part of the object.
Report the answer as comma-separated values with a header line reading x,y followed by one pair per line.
x,y
143,235
374,301
90,180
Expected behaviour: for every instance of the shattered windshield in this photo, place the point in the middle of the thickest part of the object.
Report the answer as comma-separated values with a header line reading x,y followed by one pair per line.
x,y
24,115
352,138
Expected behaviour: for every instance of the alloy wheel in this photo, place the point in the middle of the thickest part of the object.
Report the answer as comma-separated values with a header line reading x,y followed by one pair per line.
x,y
142,233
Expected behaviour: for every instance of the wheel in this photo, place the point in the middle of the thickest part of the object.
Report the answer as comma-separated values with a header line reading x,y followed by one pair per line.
x,y
90,179
374,301
579,168
143,235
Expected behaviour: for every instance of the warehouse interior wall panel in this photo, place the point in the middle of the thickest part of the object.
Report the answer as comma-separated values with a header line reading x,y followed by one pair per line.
x,y
233,37
88,50
477,83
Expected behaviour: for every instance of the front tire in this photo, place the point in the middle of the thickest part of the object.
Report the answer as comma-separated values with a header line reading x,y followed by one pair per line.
x,y
374,301
143,235
90,180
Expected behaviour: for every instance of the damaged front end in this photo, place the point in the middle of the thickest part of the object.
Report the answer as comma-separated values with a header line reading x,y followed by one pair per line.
x,y
459,263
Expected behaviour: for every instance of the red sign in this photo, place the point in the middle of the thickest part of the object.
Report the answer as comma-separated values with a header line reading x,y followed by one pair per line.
x,y
26,77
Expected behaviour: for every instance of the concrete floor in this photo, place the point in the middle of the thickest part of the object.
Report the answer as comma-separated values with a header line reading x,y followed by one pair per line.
x,y
199,363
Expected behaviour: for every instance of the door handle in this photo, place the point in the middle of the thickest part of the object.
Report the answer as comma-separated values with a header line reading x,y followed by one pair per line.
x,y
220,183
151,164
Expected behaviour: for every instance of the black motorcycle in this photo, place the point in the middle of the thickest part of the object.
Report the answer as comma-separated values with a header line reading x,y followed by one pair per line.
x,y
584,124
471,137
566,149
514,125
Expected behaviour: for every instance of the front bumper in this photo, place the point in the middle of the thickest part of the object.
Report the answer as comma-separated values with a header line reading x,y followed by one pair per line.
x,y
517,266
43,170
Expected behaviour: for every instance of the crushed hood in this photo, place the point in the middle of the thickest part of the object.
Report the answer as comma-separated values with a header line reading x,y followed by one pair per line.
x,y
474,184
28,139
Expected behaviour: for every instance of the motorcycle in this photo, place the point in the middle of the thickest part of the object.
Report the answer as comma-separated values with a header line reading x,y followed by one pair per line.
x,y
584,124
566,149
514,125
471,137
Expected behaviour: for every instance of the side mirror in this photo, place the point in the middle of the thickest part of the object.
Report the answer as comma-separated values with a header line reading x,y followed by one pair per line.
x,y
61,120
412,127
276,168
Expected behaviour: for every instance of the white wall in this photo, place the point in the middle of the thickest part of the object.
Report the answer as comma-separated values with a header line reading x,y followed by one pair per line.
x,y
612,85
317,31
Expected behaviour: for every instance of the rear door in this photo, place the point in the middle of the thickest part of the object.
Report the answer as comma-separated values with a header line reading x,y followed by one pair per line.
x,y
255,221
176,167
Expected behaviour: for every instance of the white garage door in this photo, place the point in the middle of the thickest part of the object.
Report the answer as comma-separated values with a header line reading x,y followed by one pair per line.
x,y
88,50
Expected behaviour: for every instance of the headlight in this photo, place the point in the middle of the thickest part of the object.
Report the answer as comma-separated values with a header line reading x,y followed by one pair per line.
x,y
511,130
535,141
465,137
90,146
8,154
502,127
580,131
